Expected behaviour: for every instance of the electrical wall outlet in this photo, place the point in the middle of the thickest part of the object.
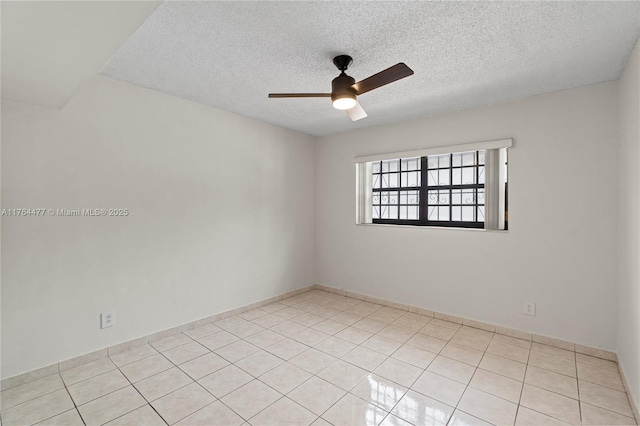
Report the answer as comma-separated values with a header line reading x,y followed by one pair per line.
x,y
107,319
530,308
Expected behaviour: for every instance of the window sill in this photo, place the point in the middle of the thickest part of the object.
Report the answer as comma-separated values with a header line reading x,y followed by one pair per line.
x,y
447,228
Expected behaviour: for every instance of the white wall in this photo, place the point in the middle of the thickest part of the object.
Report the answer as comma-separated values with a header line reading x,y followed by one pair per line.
x,y
629,226
560,250
221,215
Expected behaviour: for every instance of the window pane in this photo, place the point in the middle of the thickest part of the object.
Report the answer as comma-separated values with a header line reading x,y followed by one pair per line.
x,y
376,181
468,158
443,177
444,161
457,160
412,179
432,178
375,166
456,196
481,174
432,213
375,213
468,196
390,180
384,197
409,164
443,213
403,212
413,213
433,197
409,197
393,180
480,197
443,197
481,157
456,213
393,212
392,198
409,212
432,161
467,214
457,177
468,175
481,213
390,166
376,198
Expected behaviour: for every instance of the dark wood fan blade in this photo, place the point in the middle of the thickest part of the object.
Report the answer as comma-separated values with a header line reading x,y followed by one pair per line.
x,y
299,95
387,76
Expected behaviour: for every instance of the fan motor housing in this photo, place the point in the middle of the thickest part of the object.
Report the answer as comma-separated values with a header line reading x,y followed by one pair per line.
x,y
343,85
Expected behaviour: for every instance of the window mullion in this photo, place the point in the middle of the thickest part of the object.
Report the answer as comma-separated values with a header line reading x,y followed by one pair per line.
x,y
422,214
399,184
380,197
475,191
451,187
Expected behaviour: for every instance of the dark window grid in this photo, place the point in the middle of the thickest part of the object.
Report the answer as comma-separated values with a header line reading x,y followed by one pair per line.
x,y
475,207
397,204
450,188
423,191
478,163
447,168
452,169
399,178
398,189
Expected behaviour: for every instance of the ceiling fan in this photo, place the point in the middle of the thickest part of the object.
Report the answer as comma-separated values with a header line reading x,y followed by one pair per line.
x,y
344,88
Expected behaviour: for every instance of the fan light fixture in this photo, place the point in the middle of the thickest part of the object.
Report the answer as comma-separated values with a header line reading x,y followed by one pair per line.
x,y
344,88
346,101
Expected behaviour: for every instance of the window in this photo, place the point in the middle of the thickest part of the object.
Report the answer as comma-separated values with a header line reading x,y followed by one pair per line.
x,y
396,189
451,189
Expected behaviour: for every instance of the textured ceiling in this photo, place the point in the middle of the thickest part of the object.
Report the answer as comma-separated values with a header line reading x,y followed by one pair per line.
x,y
230,55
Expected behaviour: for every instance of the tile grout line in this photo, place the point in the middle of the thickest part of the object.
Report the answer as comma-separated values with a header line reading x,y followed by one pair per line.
x,y
139,393
178,367
174,365
578,389
72,400
320,378
390,356
524,378
117,367
134,387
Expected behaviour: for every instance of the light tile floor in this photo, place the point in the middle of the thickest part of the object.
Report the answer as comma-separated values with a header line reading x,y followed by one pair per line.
x,y
320,358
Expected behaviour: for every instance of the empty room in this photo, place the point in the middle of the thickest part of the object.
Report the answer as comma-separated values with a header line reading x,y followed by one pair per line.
x,y
320,213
